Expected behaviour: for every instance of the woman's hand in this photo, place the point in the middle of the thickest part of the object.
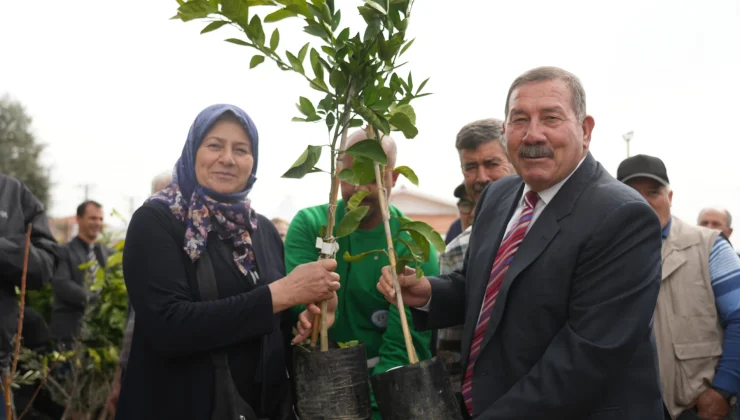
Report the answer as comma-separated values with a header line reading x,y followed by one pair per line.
x,y
307,283
305,319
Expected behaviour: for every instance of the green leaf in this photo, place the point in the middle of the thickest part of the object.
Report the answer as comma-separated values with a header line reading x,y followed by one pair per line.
x,y
274,39
236,10
402,262
356,199
306,107
422,243
300,7
319,85
371,95
364,169
406,109
395,16
359,257
408,173
348,175
376,6
338,80
355,122
305,163
213,26
351,221
373,29
256,60
370,149
326,14
421,86
344,35
425,230
294,62
406,47
348,344
413,248
318,69
315,11
384,126
330,120
328,50
410,83
316,30
255,29
335,20
238,42
279,15
403,123
302,53
195,9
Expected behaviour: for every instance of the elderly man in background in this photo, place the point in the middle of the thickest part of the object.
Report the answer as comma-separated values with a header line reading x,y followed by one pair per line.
x,y
717,219
159,182
697,316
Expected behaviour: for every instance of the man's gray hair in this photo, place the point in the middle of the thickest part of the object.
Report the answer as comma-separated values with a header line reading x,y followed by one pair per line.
x,y
160,181
542,74
479,132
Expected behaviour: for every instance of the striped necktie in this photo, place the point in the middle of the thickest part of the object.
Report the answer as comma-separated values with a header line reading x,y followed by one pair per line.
x,y
504,257
92,269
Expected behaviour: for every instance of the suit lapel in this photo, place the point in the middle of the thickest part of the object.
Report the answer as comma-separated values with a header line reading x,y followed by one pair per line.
x,y
539,236
542,232
492,221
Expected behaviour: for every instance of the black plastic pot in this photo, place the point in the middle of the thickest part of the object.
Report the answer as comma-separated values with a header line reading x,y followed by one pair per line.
x,y
419,391
333,384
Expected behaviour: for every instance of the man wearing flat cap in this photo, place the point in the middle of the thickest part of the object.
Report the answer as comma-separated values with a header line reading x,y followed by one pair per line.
x,y
697,316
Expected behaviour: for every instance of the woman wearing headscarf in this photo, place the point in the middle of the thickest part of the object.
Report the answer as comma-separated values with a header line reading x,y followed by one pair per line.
x,y
205,211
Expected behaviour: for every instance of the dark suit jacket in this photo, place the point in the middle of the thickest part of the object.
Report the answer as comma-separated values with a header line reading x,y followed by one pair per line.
x,y
170,373
570,335
70,293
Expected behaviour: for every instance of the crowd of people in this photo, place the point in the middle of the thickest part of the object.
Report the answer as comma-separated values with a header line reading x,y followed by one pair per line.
x,y
563,292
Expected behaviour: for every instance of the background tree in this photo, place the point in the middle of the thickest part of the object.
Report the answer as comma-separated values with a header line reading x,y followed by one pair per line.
x,y
20,152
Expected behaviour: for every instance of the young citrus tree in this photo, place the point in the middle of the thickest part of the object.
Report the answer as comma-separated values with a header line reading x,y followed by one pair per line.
x,y
358,76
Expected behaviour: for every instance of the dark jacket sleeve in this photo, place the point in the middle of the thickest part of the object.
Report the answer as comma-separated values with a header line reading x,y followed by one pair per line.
x,y
43,250
167,312
613,294
447,307
64,286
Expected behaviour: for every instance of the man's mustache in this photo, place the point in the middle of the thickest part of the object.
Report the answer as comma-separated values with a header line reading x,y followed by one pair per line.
x,y
536,151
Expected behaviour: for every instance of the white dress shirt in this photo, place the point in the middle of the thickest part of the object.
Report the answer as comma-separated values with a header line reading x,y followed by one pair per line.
x,y
546,197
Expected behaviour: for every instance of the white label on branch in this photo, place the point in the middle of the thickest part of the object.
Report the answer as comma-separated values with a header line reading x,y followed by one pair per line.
x,y
328,248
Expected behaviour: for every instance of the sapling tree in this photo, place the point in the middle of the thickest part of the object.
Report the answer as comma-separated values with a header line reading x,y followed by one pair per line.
x,y
357,75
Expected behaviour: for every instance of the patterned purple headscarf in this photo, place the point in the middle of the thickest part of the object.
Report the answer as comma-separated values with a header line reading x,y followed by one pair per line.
x,y
204,210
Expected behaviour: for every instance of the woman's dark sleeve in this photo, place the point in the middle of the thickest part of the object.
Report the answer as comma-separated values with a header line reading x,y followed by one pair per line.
x,y
166,312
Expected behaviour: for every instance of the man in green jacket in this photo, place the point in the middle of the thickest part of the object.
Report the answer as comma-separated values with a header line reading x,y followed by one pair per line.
x,y
363,314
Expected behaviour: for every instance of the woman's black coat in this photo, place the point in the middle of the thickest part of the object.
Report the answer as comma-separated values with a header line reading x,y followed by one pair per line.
x,y
170,372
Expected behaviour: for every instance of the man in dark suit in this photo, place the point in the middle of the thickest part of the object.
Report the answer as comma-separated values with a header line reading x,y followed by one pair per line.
x,y
71,284
561,277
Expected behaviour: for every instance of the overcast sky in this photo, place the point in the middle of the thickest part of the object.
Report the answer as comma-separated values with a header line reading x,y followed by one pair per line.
x,y
114,86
